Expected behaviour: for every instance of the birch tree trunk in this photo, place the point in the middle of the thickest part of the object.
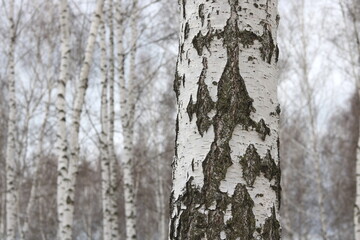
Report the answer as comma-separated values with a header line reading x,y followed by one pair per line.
x,y
35,182
61,140
104,146
11,186
226,172
68,164
353,9
112,158
160,202
127,102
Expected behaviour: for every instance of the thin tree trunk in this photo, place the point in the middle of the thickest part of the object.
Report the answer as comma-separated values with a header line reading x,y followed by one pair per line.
x,y
61,140
112,157
34,186
105,164
160,202
68,166
226,172
356,72
11,186
127,102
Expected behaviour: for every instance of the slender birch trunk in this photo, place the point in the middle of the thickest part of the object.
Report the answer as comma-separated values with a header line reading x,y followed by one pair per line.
x,y
127,103
61,141
104,146
112,157
357,198
160,202
11,186
226,172
68,164
34,186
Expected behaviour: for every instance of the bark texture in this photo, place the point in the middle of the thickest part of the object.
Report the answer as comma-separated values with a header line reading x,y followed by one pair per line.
x,y
226,174
11,186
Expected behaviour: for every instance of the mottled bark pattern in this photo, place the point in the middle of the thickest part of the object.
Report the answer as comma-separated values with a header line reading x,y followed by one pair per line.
x,y
226,176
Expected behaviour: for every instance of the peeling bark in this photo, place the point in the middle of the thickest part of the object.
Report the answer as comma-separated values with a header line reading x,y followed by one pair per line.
x,y
226,175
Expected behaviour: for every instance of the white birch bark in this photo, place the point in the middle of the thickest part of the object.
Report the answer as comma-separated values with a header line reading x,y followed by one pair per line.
x,y
112,157
68,164
127,102
226,172
61,140
11,186
104,146
160,202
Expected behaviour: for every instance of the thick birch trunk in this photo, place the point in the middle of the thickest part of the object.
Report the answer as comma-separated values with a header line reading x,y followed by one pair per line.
x,y
127,102
11,187
68,165
226,174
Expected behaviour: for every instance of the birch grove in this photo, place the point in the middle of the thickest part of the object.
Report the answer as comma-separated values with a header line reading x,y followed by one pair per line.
x,y
88,119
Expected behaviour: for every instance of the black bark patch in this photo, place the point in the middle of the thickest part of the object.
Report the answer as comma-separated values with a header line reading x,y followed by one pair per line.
x,y
269,168
204,104
262,129
277,53
247,38
271,229
187,30
250,163
202,13
268,47
177,84
242,224
184,8
176,136
200,41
